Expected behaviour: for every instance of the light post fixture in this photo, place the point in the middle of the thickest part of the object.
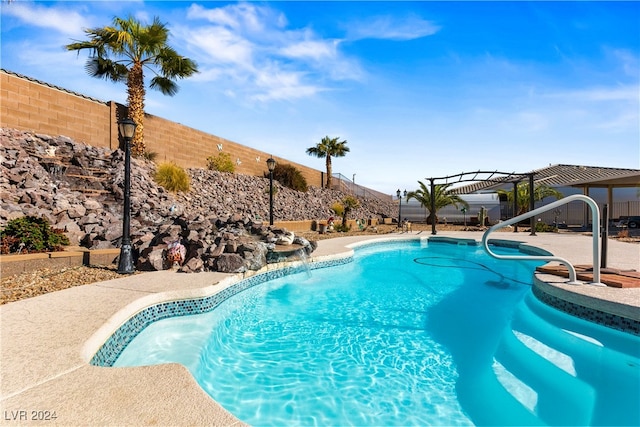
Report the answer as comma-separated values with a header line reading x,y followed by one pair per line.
x,y
399,194
464,215
127,129
271,164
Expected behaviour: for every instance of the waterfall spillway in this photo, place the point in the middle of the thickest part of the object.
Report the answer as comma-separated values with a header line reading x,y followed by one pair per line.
x,y
304,258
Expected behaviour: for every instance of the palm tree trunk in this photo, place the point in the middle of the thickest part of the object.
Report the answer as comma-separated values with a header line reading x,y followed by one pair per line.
x,y
329,171
135,101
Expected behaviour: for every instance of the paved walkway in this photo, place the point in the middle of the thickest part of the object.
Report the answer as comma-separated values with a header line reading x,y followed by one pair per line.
x,y
47,341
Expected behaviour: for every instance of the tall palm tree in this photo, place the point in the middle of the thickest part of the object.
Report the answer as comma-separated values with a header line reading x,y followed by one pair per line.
x,y
122,52
443,197
327,148
539,192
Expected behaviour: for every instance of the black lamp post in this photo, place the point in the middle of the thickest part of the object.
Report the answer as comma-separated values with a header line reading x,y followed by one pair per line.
x,y
464,214
399,194
271,164
127,129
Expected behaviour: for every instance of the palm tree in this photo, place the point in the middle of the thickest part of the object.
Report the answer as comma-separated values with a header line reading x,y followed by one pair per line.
x,y
539,192
121,52
349,203
443,197
327,148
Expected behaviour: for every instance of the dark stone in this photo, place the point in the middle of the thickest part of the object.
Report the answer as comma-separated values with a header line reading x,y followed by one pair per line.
x,y
230,263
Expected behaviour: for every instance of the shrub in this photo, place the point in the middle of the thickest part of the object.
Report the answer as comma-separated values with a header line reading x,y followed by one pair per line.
x,y
172,177
289,176
343,227
149,155
337,208
31,234
543,227
222,162
275,191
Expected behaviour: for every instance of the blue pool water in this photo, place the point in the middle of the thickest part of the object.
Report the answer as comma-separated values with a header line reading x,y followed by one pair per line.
x,y
407,334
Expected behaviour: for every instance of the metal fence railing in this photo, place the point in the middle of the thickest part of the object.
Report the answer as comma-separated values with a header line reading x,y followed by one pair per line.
x,y
575,213
346,185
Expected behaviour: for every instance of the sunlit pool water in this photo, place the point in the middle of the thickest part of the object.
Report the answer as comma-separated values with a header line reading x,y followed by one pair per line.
x,y
407,334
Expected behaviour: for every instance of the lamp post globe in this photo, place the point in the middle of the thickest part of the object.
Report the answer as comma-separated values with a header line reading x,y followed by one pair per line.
x,y
127,129
271,165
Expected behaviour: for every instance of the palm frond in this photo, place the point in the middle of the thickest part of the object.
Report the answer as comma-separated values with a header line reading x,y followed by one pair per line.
x,y
106,69
164,85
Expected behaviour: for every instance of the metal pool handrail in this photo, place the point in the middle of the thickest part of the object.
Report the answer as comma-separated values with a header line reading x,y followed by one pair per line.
x,y
572,271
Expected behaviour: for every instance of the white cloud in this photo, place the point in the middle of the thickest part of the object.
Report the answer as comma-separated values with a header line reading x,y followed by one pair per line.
x,y
392,28
65,21
252,44
223,46
617,93
277,84
242,18
318,50
629,62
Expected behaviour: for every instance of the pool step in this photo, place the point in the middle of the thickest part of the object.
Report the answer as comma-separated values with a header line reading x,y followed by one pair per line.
x,y
602,357
552,363
536,363
540,379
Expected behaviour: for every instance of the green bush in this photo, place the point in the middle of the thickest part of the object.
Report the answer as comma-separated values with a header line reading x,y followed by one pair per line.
x,y
343,227
222,162
337,208
172,177
289,176
31,234
149,155
542,227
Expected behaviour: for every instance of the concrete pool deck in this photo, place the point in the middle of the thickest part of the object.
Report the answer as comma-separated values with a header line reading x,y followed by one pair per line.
x,y
47,341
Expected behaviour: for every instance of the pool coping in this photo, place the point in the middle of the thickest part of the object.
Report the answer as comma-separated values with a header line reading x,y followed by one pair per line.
x,y
45,340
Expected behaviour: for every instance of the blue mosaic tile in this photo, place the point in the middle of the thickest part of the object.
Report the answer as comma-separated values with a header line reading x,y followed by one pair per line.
x,y
592,315
118,341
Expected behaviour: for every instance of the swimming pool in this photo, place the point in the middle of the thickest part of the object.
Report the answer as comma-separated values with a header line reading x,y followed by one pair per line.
x,y
407,334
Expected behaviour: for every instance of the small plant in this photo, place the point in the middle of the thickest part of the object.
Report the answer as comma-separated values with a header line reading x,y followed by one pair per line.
x,y
337,208
172,177
350,203
222,163
275,191
290,177
344,227
31,234
149,155
543,227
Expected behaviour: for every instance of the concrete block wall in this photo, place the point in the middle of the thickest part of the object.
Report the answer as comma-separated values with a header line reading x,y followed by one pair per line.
x,y
32,105
188,147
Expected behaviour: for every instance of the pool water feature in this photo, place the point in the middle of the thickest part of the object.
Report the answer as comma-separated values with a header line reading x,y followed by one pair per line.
x,y
406,334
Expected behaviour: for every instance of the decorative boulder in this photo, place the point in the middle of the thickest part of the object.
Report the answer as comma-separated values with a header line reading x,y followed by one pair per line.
x,y
230,263
285,238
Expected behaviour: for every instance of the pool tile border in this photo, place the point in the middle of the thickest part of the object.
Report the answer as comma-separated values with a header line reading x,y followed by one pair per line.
x,y
109,352
609,320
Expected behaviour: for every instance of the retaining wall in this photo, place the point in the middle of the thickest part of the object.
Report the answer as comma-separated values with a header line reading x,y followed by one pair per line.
x,y
31,105
17,264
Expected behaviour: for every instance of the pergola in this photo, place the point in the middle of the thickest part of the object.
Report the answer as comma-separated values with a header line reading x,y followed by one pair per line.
x,y
494,177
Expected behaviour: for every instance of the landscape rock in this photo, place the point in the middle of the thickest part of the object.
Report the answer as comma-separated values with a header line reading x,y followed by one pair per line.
x,y
79,188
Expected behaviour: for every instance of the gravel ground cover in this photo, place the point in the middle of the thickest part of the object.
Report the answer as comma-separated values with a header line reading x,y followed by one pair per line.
x,y
45,280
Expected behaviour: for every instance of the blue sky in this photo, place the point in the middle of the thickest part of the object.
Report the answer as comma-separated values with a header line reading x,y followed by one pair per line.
x,y
418,89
